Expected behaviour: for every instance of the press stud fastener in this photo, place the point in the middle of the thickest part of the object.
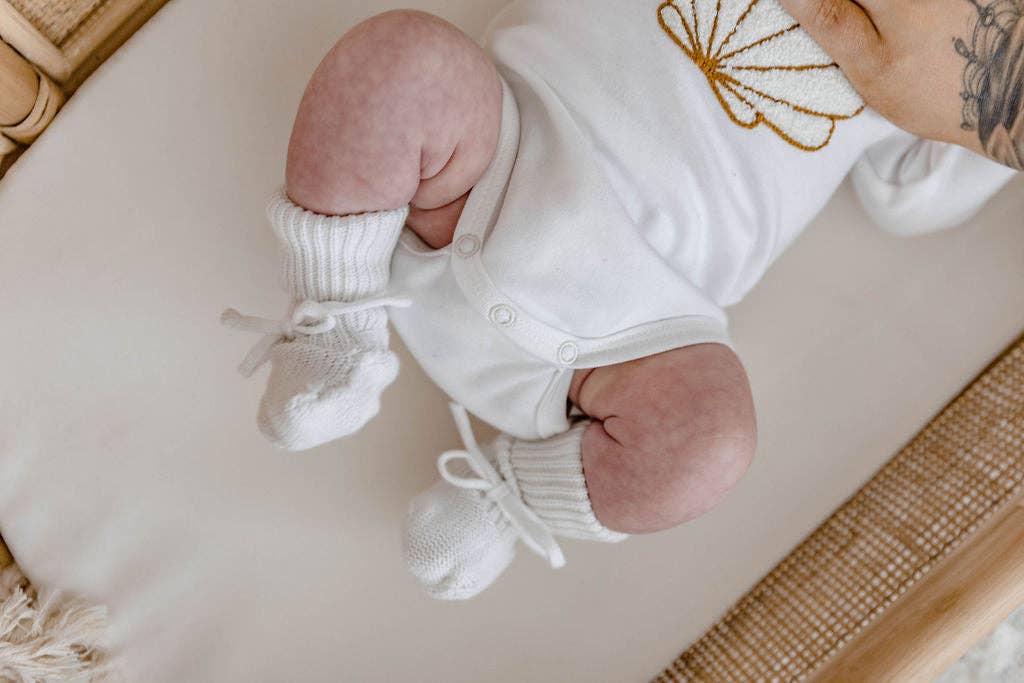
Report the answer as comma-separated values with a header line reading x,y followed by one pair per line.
x,y
502,315
467,245
568,353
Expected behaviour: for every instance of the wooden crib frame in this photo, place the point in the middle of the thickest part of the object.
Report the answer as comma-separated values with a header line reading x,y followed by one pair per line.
x,y
908,574
960,599
38,72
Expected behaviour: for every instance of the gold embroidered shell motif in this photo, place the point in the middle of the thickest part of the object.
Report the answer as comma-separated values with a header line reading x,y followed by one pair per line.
x,y
763,67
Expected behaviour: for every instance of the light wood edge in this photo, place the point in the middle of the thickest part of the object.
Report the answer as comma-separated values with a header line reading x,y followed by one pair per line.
x,y
103,40
98,37
7,145
6,558
33,45
943,616
18,86
48,101
96,28
9,151
23,102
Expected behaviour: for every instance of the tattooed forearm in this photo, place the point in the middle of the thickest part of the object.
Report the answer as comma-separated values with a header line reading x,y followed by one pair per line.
x,y
993,88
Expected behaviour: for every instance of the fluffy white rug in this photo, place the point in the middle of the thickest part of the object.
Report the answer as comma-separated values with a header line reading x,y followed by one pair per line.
x,y
46,638
997,659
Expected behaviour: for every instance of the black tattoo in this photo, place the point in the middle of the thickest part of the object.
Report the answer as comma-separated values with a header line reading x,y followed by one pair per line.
x,y
993,82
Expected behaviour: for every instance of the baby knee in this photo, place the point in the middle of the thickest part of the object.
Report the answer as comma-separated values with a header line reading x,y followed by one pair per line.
x,y
697,478
670,479
704,473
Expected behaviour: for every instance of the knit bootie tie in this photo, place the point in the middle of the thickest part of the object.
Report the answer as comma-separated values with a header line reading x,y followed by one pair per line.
x,y
461,533
329,357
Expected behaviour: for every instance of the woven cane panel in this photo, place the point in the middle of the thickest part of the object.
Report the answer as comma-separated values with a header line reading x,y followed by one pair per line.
x,y
56,19
964,466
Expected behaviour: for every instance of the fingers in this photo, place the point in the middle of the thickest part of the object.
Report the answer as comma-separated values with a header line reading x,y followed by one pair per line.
x,y
843,29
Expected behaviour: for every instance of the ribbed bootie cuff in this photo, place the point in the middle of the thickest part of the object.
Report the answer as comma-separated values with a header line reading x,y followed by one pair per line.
x,y
549,475
334,258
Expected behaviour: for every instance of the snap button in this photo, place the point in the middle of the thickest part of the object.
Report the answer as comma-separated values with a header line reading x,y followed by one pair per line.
x,y
568,353
467,245
502,315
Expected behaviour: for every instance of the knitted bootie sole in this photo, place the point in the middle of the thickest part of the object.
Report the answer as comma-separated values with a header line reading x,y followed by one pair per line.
x,y
455,546
316,395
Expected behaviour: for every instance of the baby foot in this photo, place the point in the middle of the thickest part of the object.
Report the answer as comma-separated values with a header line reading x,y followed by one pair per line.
x,y
330,359
461,533
456,543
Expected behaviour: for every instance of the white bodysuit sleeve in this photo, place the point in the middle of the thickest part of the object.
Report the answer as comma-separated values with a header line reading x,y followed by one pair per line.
x,y
911,186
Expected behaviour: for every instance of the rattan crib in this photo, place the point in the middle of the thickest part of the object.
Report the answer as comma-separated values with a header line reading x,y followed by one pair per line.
x,y
48,48
908,574
897,584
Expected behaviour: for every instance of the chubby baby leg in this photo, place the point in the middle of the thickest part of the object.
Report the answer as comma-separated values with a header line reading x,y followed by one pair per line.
x,y
404,110
670,435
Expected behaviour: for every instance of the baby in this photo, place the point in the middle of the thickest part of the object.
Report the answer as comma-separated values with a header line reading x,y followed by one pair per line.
x,y
555,225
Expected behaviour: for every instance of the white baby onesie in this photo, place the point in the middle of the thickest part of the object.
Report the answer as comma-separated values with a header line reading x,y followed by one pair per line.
x,y
655,159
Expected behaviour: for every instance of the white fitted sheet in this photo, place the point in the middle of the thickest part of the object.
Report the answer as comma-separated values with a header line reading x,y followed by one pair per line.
x,y
131,472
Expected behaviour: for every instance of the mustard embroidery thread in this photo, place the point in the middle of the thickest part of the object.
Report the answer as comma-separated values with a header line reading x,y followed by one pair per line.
x,y
745,77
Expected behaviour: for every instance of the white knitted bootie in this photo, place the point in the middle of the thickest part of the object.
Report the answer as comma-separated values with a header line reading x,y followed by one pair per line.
x,y
461,533
329,357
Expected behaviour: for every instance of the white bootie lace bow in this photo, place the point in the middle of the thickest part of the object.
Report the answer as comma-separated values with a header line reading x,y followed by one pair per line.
x,y
533,532
308,319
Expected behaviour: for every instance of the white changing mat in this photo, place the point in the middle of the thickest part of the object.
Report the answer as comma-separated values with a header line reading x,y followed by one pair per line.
x,y
132,473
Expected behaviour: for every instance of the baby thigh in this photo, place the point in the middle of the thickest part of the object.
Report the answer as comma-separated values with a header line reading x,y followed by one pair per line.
x,y
404,110
671,435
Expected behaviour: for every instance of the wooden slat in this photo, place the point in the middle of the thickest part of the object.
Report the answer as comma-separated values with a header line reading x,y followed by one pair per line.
x,y
98,38
943,616
96,28
33,45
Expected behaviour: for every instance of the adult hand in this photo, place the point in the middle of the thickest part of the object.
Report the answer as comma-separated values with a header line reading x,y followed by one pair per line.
x,y
949,70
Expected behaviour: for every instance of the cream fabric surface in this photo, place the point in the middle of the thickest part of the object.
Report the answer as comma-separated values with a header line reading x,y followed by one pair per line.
x,y
132,473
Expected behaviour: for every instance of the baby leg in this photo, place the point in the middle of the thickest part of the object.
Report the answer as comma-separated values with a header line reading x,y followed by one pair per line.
x,y
404,110
670,435
667,437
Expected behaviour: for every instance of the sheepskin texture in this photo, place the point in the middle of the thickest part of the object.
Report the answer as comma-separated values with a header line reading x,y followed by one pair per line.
x,y
45,638
997,659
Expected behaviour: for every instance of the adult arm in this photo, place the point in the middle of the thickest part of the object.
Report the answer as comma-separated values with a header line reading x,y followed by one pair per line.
x,y
947,70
